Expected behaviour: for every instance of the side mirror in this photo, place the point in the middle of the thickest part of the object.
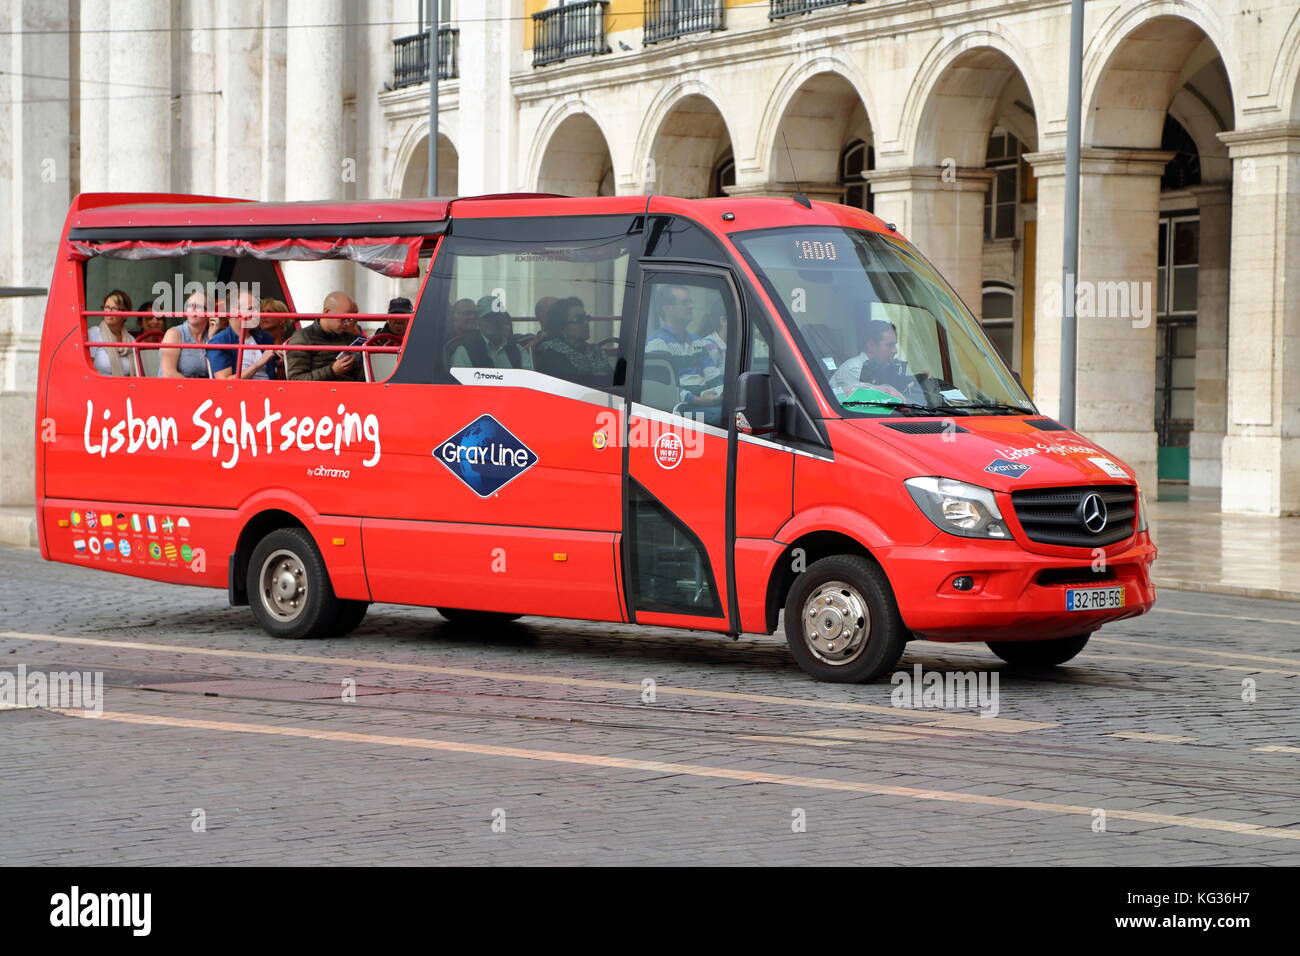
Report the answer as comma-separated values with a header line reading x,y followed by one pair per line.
x,y
754,414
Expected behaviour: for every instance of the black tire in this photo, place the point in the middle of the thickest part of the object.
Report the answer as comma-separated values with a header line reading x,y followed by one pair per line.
x,y
826,603
476,619
283,557
350,616
1039,653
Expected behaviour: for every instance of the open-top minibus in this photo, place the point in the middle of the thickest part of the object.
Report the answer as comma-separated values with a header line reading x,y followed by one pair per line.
x,y
701,414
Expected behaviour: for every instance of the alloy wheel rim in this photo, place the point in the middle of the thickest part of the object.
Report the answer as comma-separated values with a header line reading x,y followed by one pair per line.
x,y
836,623
284,585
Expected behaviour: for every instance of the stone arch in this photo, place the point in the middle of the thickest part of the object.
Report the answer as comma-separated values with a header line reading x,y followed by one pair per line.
x,y
688,97
1284,78
994,51
690,140
793,84
1136,63
588,125
415,178
813,124
576,160
410,164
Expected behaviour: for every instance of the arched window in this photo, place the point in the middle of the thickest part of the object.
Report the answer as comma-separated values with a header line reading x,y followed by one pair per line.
x,y
856,158
999,320
1003,157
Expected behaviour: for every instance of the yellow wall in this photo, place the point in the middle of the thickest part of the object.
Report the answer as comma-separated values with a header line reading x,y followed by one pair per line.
x,y
1027,304
620,15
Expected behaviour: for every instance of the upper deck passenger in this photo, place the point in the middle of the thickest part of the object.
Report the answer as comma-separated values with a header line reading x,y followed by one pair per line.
x,y
338,329
187,363
112,328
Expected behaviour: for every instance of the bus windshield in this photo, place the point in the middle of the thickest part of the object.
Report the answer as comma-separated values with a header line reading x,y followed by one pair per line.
x,y
886,333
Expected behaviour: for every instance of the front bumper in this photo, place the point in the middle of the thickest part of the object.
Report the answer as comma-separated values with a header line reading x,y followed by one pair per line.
x,y
1009,601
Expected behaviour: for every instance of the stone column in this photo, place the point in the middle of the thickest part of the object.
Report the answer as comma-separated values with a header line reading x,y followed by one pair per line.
x,y
239,108
274,93
941,210
35,147
1211,335
196,139
1261,453
485,161
93,97
1119,210
313,154
139,110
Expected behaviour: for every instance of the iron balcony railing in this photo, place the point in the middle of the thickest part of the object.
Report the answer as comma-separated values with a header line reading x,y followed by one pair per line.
x,y
411,58
788,8
666,19
575,29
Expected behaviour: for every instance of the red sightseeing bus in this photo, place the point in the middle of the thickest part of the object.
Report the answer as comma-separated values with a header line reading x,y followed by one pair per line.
x,y
684,413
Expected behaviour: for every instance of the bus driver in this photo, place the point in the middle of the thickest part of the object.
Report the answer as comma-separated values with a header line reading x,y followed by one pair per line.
x,y
875,366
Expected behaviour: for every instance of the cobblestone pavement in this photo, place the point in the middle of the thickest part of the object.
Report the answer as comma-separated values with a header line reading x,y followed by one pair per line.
x,y
538,743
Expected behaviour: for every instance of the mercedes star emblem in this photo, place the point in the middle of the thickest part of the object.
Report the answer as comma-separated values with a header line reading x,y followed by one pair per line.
x,y
1092,512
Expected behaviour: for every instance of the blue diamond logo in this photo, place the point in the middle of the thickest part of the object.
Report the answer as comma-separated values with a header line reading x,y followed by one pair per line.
x,y
485,455
1011,469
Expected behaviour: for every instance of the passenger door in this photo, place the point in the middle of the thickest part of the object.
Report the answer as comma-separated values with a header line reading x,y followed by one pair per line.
x,y
509,449
680,450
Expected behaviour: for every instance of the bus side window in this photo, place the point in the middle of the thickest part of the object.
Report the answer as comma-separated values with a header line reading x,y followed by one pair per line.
x,y
543,294
684,362
758,354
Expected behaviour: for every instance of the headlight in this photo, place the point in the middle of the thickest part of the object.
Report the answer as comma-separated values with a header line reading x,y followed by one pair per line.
x,y
1142,511
958,508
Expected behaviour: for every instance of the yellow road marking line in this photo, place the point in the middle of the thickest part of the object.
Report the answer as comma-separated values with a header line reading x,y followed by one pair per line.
x,y
1200,650
1230,617
1205,664
1162,738
1278,749
850,734
686,769
994,724
772,738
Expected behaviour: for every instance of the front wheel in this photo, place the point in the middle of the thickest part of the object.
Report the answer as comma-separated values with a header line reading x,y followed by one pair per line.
x,y
842,622
1039,653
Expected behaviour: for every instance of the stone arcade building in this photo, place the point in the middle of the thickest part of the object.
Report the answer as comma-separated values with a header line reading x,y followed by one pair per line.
x,y
946,117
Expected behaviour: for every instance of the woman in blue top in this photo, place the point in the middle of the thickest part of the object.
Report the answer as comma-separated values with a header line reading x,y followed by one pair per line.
x,y
187,363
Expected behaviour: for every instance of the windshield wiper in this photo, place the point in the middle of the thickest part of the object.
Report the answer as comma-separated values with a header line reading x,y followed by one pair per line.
x,y
907,407
999,406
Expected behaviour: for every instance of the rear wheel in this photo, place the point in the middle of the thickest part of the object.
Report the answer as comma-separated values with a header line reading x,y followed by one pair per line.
x,y
289,589
841,620
1039,653
463,618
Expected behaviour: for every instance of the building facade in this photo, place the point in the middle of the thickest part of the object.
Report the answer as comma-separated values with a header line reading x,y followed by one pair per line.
x,y
946,117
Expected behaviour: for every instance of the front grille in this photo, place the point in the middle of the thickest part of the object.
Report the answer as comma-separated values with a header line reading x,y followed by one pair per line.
x,y
1051,515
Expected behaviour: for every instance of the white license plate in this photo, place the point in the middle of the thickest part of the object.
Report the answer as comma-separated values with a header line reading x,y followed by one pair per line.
x,y
1094,599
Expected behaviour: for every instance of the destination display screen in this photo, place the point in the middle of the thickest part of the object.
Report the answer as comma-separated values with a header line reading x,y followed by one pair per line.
x,y
816,250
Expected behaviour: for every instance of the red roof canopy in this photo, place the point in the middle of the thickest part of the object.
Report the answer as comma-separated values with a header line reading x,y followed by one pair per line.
x,y
179,210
